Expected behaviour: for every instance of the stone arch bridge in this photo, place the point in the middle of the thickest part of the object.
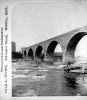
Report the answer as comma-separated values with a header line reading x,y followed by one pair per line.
x,y
68,42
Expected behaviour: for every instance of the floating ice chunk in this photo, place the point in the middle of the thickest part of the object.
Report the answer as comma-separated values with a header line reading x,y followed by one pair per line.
x,y
19,76
30,93
78,94
13,69
43,70
61,66
38,77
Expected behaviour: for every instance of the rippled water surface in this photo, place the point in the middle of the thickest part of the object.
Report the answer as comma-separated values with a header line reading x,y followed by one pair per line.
x,y
46,79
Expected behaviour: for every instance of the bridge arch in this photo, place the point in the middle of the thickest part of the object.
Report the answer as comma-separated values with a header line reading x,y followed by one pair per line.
x,y
71,46
39,52
51,47
25,53
30,53
51,50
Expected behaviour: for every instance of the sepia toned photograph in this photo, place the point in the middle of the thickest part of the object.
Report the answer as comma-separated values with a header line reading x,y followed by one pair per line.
x,y
43,49
49,49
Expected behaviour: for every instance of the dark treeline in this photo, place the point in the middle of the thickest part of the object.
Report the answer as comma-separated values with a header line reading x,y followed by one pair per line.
x,y
16,55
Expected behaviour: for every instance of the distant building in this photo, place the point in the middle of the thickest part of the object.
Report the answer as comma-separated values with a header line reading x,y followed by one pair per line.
x,y
13,46
15,55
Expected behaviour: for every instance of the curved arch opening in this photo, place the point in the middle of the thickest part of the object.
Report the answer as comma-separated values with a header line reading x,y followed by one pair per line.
x,y
30,53
81,50
51,47
54,50
39,52
25,53
71,47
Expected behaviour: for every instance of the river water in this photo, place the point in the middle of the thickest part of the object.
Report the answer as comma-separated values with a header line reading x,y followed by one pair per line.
x,y
46,79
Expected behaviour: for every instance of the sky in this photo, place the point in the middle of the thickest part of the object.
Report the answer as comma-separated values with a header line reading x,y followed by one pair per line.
x,y
33,22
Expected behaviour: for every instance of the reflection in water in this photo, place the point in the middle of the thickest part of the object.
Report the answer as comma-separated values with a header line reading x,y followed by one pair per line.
x,y
71,80
46,81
